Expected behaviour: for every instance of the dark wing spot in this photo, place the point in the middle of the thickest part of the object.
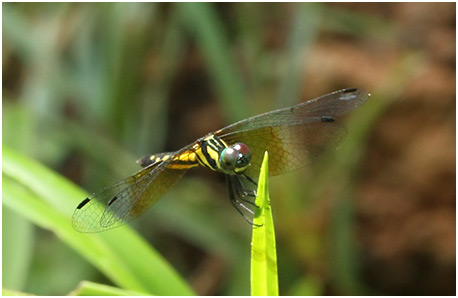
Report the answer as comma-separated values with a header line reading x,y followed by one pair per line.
x,y
349,90
84,202
327,119
112,200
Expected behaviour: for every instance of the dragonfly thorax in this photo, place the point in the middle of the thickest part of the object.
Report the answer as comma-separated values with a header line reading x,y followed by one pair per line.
x,y
215,154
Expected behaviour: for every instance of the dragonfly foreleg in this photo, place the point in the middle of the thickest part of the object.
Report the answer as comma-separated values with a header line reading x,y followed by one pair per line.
x,y
243,193
235,188
250,179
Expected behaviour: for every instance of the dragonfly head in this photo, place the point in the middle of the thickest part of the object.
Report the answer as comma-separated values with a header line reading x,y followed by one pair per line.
x,y
235,159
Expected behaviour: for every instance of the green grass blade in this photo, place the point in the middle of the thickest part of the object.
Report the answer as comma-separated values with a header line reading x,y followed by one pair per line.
x,y
264,273
122,255
302,37
87,288
211,37
9,292
17,249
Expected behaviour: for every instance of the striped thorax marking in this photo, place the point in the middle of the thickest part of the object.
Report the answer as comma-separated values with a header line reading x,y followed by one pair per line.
x,y
209,152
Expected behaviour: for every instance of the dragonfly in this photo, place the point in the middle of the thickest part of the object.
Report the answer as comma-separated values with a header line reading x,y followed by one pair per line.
x,y
293,136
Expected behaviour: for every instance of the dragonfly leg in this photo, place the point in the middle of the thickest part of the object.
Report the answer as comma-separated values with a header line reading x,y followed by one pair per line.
x,y
237,206
249,193
243,193
236,191
250,179
235,188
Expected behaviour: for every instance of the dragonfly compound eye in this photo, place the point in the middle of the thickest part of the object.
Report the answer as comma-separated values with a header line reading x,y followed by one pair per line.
x,y
235,159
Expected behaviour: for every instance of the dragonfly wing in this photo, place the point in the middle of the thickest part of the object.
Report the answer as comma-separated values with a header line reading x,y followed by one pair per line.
x,y
290,147
333,105
294,136
126,200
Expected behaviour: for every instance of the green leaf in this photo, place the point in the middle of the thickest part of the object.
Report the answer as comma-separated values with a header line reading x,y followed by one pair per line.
x,y
48,200
8,292
264,273
87,288
17,249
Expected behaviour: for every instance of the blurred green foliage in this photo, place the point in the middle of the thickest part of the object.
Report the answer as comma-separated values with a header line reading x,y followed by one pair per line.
x,y
88,88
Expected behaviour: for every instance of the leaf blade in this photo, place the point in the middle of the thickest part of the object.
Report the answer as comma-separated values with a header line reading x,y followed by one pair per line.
x,y
264,272
47,200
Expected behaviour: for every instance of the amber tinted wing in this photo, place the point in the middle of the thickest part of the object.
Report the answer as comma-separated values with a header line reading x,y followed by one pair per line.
x,y
294,136
126,200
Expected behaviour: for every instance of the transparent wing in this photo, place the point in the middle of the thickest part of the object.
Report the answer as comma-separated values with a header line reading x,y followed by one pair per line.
x,y
126,200
294,136
290,147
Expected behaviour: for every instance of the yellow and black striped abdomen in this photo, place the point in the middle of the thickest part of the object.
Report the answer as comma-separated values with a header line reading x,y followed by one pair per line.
x,y
182,161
